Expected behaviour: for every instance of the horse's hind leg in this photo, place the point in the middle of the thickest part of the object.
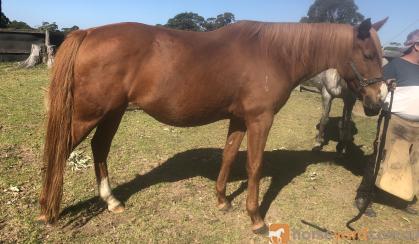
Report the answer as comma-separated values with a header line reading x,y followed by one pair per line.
x,y
101,144
81,126
235,136
326,104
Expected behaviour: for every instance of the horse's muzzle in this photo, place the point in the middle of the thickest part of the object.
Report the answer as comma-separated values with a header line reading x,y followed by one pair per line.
x,y
372,109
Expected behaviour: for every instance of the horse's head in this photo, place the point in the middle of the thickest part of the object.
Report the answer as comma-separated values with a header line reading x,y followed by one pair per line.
x,y
363,71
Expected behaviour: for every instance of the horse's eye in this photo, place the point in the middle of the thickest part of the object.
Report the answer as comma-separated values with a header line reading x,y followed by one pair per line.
x,y
368,55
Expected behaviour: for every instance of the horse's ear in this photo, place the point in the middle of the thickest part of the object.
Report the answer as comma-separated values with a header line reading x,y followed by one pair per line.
x,y
364,29
379,24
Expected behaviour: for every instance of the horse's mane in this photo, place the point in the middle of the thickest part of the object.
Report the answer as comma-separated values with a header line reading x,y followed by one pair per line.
x,y
299,42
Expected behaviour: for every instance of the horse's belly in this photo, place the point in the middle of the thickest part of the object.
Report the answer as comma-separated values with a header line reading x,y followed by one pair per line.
x,y
186,117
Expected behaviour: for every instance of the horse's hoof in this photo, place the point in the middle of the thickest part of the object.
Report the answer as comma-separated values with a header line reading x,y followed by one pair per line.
x,y
260,229
225,206
118,208
317,148
410,209
340,148
41,219
369,212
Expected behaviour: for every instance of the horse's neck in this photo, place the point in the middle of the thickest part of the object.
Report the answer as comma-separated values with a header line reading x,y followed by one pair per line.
x,y
322,48
314,65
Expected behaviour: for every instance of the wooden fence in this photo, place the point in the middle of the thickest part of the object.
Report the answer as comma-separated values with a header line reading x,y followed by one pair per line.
x,y
15,45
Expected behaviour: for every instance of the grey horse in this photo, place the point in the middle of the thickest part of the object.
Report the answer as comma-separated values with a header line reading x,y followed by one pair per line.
x,y
331,86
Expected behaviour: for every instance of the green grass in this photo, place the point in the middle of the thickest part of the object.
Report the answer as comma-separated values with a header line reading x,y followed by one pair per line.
x,y
166,176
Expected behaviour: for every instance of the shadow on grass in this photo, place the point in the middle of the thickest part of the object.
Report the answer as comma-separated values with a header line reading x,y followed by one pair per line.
x,y
354,159
390,200
331,132
281,165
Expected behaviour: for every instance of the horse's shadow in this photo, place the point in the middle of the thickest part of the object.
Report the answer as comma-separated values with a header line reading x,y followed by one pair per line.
x,y
331,132
281,165
354,158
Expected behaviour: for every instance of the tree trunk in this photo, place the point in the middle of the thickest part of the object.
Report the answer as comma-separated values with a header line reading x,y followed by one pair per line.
x,y
36,57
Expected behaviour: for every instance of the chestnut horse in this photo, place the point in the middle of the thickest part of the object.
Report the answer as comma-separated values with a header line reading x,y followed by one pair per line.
x,y
243,72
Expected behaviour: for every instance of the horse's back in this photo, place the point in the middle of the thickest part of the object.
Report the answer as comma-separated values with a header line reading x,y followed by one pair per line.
x,y
180,78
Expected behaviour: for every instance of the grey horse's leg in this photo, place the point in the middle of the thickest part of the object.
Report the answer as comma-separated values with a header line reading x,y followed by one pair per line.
x,y
327,103
345,128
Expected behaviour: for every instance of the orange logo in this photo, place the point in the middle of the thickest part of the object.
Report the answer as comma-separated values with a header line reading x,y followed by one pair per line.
x,y
279,233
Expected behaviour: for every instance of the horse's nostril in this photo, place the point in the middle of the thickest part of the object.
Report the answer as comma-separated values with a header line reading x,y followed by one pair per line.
x,y
372,105
371,109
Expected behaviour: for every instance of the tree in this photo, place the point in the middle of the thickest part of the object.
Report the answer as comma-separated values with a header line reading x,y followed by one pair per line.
x,y
4,21
395,44
19,25
194,22
187,21
70,29
48,26
333,11
221,20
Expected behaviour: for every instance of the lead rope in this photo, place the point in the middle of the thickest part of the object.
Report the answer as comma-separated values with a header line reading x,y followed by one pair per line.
x,y
378,159
377,162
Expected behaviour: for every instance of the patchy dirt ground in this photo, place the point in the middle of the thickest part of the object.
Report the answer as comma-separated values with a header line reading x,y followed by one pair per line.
x,y
166,176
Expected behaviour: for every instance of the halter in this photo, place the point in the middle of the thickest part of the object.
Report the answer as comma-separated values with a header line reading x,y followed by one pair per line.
x,y
362,81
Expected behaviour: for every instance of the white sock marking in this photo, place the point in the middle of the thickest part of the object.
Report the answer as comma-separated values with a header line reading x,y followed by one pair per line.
x,y
105,193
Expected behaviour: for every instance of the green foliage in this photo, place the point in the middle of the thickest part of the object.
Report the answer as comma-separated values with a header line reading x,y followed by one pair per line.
x,y
221,20
395,44
48,26
44,26
333,11
4,21
187,21
19,25
194,22
70,29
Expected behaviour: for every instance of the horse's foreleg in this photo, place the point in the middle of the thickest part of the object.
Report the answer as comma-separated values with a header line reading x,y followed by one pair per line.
x,y
258,130
235,136
345,128
326,104
101,144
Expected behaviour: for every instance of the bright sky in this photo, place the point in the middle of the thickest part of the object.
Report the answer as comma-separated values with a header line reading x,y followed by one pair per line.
x,y
403,14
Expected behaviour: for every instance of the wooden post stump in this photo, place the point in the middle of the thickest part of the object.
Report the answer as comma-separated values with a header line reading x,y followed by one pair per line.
x,y
40,53
50,50
36,57
50,54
